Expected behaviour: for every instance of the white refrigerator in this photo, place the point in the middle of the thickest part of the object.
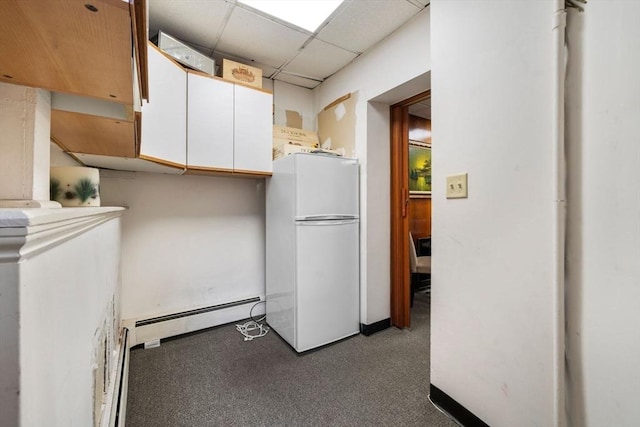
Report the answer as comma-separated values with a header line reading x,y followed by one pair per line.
x,y
312,249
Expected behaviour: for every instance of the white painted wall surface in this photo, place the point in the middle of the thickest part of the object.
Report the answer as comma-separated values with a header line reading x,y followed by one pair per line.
x,y
403,56
377,299
294,98
66,294
188,241
492,280
603,288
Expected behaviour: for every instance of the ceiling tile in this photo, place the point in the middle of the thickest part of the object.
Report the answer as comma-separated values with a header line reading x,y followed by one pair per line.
x,y
296,80
194,22
256,38
362,24
319,60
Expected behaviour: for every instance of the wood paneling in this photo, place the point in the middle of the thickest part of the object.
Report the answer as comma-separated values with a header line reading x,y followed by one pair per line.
x,y
420,217
82,133
419,129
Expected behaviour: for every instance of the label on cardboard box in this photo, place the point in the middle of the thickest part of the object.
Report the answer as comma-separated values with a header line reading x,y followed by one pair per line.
x,y
241,73
293,134
282,150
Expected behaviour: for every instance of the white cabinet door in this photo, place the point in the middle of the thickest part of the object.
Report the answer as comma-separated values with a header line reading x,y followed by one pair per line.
x,y
253,129
164,117
209,123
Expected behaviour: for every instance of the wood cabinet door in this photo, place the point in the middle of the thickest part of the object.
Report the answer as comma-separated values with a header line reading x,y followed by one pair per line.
x,y
253,128
209,123
164,117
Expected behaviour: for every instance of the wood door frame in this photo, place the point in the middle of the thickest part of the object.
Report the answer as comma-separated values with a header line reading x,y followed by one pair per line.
x,y
400,275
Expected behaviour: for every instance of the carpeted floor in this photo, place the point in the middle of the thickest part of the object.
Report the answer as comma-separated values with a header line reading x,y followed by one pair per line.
x,y
214,378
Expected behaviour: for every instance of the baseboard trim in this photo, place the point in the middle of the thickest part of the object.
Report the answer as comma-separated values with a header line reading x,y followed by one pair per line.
x,y
447,404
367,330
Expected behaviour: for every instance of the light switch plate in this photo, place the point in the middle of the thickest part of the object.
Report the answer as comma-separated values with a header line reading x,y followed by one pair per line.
x,y
457,186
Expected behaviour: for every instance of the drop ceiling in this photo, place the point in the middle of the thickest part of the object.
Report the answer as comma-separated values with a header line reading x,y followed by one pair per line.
x,y
284,52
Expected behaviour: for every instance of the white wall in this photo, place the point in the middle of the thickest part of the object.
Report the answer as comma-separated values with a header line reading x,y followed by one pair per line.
x,y
66,297
603,288
492,315
188,241
402,57
293,98
60,293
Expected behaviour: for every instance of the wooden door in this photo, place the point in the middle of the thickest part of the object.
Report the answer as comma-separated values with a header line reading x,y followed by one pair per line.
x,y
400,275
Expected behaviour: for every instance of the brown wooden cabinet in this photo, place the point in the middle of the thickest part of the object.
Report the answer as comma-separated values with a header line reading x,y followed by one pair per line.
x,y
83,49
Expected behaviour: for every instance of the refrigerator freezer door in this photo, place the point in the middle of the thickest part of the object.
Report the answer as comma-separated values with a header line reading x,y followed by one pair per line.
x,y
326,186
328,285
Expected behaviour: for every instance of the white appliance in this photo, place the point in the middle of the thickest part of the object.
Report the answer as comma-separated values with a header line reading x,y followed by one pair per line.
x,y
312,266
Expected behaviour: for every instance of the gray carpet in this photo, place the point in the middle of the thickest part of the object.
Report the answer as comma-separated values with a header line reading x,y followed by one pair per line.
x,y
214,378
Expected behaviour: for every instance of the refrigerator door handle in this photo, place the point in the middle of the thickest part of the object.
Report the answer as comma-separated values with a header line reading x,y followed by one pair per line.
x,y
334,222
325,217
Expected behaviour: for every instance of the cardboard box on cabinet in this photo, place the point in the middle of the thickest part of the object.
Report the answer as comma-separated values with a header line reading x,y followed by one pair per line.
x,y
241,73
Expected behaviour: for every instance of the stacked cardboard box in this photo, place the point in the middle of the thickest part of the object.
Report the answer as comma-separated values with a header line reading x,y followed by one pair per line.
x,y
287,140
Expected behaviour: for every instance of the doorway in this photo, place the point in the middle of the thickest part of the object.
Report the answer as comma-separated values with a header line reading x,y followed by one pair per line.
x,y
403,119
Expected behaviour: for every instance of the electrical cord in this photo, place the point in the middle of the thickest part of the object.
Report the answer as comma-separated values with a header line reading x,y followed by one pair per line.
x,y
252,325
251,312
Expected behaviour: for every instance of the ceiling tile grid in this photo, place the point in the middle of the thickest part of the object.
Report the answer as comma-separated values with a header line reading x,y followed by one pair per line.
x,y
297,80
256,38
362,24
319,60
195,22
225,28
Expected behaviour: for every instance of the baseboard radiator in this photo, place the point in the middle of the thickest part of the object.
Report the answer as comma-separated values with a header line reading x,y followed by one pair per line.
x,y
119,403
150,331
195,312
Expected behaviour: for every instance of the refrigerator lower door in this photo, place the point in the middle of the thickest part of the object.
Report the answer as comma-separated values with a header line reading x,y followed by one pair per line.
x,y
327,282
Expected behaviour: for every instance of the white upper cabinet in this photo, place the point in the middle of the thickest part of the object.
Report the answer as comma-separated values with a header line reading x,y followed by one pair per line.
x,y
203,124
229,127
253,130
209,123
164,117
